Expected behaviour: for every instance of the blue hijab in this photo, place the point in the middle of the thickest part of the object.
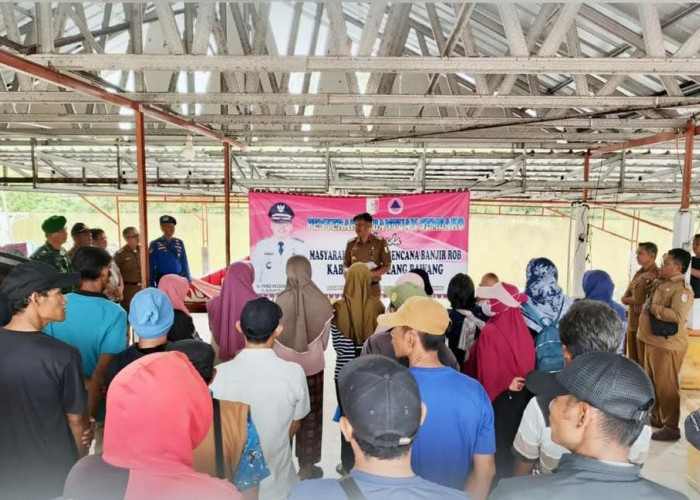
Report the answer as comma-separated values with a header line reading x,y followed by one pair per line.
x,y
598,285
544,293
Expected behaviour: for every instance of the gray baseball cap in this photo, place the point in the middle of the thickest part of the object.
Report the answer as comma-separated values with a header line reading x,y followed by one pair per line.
x,y
381,400
609,382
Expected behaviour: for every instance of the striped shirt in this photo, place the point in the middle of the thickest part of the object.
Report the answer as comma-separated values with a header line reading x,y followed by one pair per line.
x,y
345,349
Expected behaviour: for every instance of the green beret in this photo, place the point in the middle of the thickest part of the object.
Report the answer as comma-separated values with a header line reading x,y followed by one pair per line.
x,y
53,224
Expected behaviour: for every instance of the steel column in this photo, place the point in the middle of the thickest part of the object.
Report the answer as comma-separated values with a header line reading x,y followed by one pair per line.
x,y
586,173
688,163
142,193
227,202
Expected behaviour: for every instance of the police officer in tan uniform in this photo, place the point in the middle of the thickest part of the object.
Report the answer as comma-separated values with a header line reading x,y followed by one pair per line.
x,y
662,341
370,249
637,294
128,260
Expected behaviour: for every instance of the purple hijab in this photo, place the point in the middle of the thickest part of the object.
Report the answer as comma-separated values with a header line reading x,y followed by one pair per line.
x,y
224,311
598,285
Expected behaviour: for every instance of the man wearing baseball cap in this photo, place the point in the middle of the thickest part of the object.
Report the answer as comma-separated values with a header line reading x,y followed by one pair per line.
x,y
167,255
601,403
275,389
44,426
383,412
82,237
380,341
52,251
456,444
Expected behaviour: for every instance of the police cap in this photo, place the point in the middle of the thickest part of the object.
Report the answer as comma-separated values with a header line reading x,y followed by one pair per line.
x,y
281,212
168,219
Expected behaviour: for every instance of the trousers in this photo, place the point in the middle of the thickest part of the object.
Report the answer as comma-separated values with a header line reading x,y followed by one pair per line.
x,y
664,367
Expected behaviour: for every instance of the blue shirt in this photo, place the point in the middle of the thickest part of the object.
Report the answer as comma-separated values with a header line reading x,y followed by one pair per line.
x,y
458,424
376,488
94,324
167,257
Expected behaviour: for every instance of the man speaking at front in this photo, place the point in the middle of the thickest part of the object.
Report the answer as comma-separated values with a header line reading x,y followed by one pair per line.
x,y
370,249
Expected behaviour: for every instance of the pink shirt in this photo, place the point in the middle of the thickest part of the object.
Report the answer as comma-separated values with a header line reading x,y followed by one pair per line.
x,y
311,361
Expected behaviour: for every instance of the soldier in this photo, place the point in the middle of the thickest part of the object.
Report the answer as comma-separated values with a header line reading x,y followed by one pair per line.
x,y
52,251
167,254
128,260
81,238
662,341
370,249
637,293
271,254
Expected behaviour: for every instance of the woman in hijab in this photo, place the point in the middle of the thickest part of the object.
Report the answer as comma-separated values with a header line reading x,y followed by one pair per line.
x,y
225,309
505,349
176,288
545,298
158,411
354,320
598,285
306,321
464,326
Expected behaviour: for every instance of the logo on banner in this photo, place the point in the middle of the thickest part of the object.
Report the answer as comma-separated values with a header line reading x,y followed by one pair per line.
x,y
395,206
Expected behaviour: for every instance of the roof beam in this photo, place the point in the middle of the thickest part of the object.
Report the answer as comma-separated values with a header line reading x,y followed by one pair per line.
x,y
325,99
654,43
381,64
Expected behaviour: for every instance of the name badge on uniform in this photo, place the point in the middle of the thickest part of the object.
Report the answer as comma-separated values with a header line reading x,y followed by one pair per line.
x,y
684,298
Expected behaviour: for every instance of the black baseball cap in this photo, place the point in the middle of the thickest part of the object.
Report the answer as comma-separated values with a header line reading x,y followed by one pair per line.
x,y
260,318
692,429
35,276
610,382
201,355
79,228
381,400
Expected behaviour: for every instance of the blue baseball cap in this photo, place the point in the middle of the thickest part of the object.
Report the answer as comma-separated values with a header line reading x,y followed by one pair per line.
x,y
167,219
280,212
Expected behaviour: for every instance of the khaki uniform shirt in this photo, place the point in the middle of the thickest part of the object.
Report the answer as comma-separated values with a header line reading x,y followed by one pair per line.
x,y
639,290
375,250
129,263
670,300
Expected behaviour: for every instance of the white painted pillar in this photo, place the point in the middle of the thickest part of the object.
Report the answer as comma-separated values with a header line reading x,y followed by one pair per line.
x,y
580,249
683,231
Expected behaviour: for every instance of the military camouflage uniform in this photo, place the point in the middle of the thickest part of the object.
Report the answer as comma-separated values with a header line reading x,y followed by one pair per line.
x,y
57,258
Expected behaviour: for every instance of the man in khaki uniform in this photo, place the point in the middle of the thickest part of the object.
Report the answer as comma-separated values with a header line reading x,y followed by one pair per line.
x,y
637,294
670,301
128,260
368,248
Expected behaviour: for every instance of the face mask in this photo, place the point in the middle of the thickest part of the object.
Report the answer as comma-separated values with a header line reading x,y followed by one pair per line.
x,y
486,308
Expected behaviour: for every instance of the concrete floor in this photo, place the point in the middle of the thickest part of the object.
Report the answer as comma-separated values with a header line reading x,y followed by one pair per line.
x,y
666,463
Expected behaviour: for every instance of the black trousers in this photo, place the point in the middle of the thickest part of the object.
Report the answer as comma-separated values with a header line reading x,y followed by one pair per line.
x,y
347,455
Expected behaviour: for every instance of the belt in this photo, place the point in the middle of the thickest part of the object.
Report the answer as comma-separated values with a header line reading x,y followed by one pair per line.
x,y
132,283
374,283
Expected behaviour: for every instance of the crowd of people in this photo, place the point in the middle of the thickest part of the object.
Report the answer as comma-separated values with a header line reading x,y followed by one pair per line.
x,y
505,394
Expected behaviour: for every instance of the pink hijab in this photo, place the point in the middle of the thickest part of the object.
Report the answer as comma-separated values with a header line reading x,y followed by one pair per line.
x,y
176,288
225,310
505,349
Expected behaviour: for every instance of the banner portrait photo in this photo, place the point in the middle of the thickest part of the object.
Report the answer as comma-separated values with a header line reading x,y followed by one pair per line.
x,y
425,231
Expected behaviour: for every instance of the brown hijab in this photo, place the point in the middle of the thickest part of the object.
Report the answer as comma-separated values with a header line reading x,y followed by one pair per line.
x,y
356,313
305,308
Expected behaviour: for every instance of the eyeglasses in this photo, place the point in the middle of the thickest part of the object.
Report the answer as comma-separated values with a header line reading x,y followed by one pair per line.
x,y
133,236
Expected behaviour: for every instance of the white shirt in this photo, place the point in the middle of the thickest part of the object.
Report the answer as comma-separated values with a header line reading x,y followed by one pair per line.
x,y
269,260
534,441
277,393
